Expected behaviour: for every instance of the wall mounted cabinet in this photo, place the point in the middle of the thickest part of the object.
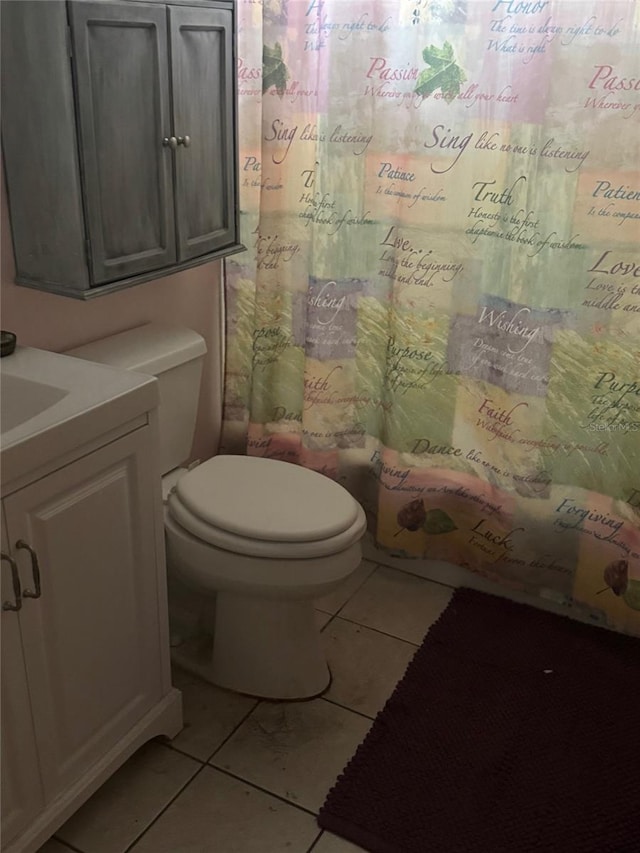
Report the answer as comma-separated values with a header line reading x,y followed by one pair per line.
x,y
119,139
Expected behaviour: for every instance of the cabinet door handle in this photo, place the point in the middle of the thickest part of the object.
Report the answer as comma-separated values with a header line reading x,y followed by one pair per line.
x,y
184,140
15,578
170,142
35,571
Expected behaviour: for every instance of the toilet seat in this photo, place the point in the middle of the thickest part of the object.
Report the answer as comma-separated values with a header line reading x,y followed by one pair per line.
x,y
266,499
269,548
309,516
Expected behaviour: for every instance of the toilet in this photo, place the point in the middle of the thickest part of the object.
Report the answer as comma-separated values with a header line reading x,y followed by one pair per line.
x,y
258,538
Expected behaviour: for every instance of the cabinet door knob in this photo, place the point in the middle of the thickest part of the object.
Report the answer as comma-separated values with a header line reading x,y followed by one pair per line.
x,y
170,142
35,571
15,578
184,140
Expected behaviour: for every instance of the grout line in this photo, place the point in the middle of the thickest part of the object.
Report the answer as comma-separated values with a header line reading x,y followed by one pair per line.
x,y
414,574
226,773
222,742
264,790
385,633
328,622
167,745
220,770
164,809
357,589
340,609
315,841
353,710
182,752
66,844
234,730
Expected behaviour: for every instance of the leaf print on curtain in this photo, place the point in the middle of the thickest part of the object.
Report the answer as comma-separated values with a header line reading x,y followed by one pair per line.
x,y
443,73
439,305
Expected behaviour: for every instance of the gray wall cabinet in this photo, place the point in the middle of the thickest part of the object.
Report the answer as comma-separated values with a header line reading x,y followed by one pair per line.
x,y
119,139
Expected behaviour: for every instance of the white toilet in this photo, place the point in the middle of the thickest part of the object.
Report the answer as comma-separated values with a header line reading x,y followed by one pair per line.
x,y
264,537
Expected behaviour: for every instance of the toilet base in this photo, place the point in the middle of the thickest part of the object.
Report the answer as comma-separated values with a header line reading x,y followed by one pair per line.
x,y
262,647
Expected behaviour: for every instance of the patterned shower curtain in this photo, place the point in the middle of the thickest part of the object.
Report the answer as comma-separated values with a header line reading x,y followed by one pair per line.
x,y
439,305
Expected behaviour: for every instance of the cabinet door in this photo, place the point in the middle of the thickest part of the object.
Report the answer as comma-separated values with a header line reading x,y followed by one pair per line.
x,y
22,795
203,108
39,145
91,641
122,80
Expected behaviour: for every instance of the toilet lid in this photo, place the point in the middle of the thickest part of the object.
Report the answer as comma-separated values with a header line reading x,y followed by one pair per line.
x,y
265,549
267,499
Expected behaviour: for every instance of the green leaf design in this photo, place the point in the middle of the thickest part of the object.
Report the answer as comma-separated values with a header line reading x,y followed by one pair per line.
x,y
274,71
444,73
437,521
433,55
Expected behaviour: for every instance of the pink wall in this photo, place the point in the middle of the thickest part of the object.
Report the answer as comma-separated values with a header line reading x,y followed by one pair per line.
x,y
191,298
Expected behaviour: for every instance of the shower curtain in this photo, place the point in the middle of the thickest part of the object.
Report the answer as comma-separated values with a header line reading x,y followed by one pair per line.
x,y
439,302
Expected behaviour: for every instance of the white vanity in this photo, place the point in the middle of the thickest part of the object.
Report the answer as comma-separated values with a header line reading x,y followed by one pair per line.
x,y
85,648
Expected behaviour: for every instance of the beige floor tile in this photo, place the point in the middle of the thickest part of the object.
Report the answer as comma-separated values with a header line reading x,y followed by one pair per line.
x,y
210,714
398,603
365,665
55,846
333,602
330,843
219,814
295,749
129,801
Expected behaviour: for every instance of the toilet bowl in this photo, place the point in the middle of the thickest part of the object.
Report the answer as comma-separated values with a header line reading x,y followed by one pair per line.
x,y
259,539
296,536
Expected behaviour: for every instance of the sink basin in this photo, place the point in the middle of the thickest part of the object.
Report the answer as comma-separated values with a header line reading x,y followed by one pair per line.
x,y
23,399
53,406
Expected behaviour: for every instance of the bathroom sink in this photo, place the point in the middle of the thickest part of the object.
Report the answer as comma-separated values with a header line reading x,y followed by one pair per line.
x,y
22,399
52,405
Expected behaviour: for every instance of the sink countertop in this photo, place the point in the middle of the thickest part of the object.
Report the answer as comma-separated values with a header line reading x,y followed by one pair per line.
x,y
73,402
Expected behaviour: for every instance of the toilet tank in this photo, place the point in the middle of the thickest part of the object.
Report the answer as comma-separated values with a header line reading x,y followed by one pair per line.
x,y
174,356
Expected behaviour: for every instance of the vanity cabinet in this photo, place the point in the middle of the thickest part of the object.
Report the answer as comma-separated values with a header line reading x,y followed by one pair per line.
x,y
85,673
119,139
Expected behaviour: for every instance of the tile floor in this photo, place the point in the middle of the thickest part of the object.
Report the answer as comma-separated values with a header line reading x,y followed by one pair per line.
x,y
249,777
